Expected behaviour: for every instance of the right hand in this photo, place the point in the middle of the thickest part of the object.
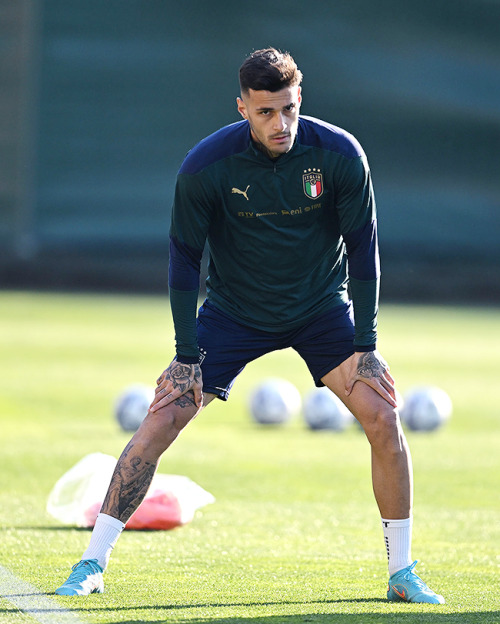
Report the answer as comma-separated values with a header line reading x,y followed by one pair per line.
x,y
373,370
175,381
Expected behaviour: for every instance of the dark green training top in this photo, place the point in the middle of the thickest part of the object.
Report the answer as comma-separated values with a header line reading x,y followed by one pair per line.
x,y
285,235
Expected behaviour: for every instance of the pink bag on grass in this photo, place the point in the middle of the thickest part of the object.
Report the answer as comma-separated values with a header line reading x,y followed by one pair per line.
x,y
171,501
160,511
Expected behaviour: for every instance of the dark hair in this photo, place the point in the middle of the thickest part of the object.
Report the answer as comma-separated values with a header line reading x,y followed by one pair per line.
x,y
269,70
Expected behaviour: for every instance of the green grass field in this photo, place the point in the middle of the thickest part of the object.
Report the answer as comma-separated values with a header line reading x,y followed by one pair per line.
x,y
294,535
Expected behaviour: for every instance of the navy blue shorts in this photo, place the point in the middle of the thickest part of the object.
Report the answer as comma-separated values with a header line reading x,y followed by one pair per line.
x,y
227,346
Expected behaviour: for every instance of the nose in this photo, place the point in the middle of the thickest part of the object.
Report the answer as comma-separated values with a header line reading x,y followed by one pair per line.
x,y
280,124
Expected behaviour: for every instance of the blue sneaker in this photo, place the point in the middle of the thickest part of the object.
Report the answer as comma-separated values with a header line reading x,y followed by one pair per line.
x,y
406,586
86,578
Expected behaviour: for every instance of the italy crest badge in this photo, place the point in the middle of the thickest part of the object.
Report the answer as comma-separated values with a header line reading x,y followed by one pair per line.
x,y
313,183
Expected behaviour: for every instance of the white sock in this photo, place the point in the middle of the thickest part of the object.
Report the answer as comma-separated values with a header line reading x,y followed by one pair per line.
x,y
106,532
397,537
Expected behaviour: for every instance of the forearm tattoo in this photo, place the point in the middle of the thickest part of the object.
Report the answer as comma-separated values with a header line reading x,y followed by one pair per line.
x,y
129,484
369,366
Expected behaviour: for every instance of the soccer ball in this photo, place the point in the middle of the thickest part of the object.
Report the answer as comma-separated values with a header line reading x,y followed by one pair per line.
x,y
274,402
324,410
132,405
426,408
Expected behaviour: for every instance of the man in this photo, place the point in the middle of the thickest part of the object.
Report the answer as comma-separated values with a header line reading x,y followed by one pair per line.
x,y
286,205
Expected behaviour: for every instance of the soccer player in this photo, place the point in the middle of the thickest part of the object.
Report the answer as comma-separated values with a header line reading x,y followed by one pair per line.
x,y
286,204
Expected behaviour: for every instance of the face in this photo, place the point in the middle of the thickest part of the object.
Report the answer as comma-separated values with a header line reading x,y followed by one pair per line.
x,y
273,118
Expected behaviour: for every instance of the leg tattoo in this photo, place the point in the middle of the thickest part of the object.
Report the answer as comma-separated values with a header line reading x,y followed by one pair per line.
x,y
129,484
186,400
133,475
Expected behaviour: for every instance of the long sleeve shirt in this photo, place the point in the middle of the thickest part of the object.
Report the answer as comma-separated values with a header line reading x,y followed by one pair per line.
x,y
285,236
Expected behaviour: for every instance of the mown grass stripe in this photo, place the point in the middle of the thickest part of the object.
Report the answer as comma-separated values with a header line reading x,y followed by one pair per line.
x,y
32,601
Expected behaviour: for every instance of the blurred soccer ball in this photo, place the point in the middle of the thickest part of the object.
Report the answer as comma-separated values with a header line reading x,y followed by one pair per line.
x,y
274,402
324,410
132,405
426,408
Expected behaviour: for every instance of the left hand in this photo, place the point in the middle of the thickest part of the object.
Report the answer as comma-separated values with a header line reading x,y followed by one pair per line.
x,y
372,369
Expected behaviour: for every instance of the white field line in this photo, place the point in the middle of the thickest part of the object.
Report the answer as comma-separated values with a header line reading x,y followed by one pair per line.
x,y
32,601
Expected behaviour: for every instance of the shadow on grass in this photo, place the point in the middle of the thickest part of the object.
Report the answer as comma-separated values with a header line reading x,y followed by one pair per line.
x,y
487,617
434,617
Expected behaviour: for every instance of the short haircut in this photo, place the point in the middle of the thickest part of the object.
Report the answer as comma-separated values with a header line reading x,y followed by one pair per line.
x,y
269,70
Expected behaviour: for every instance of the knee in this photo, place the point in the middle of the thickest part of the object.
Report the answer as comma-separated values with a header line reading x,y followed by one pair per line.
x,y
382,427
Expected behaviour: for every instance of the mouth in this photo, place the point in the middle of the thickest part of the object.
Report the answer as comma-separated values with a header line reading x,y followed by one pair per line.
x,y
280,138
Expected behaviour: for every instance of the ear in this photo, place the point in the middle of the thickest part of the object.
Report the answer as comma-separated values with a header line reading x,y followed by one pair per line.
x,y
242,109
299,96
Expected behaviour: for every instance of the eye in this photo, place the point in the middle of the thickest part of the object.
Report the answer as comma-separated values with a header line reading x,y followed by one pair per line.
x,y
290,107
